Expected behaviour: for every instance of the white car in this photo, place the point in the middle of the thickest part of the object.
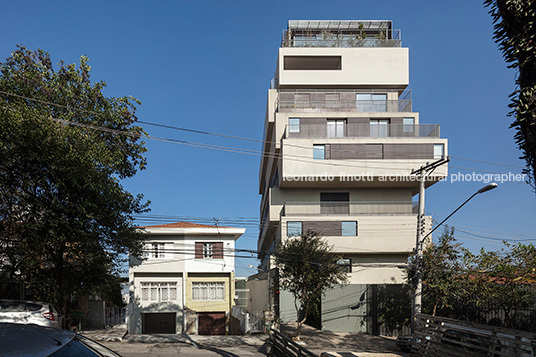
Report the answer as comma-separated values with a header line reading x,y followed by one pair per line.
x,y
29,312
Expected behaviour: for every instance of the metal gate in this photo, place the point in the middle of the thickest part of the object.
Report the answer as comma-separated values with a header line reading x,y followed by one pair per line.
x,y
115,315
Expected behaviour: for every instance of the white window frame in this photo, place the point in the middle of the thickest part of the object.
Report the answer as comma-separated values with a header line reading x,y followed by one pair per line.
x,y
336,128
208,251
158,291
158,250
379,128
208,291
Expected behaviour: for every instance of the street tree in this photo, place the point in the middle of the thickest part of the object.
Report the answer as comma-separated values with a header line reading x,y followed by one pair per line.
x,y
502,279
65,218
441,271
515,33
307,268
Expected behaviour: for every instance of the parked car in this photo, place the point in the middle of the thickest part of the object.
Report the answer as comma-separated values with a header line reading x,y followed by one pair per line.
x,y
29,312
39,341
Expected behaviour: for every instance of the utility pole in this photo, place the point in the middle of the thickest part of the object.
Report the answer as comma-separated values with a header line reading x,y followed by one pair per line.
x,y
423,171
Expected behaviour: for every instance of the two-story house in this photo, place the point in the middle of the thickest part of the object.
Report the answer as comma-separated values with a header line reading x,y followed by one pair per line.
x,y
340,141
185,283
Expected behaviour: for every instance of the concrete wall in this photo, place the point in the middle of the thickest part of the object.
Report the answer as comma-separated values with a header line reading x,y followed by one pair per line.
x,y
307,166
259,293
360,66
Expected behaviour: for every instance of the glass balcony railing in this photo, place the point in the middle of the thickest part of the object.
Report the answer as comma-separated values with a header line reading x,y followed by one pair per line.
x,y
360,106
343,129
344,101
325,38
350,208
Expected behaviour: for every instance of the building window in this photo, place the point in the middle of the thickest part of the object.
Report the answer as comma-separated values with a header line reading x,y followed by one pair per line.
x,y
335,203
208,250
408,125
159,291
368,102
336,128
349,228
312,63
346,265
158,251
439,151
294,229
319,152
293,125
379,128
208,291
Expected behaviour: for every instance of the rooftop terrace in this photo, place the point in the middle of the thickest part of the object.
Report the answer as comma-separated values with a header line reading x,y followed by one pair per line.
x,y
342,33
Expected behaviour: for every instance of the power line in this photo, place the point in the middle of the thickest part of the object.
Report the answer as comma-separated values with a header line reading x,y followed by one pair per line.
x,y
486,162
216,147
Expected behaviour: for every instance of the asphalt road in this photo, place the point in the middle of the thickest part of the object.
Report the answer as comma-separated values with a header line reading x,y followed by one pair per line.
x,y
181,349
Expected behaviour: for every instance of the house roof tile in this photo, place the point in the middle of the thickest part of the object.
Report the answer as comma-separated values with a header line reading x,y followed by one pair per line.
x,y
182,225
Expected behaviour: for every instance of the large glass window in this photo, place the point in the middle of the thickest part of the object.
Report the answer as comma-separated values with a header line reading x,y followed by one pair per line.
x,y
319,152
408,125
158,291
349,228
336,128
294,229
208,291
379,128
293,125
368,102
438,151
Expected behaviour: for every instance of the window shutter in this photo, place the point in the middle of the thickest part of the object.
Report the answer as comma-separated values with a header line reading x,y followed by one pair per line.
x,y
198,250
217,250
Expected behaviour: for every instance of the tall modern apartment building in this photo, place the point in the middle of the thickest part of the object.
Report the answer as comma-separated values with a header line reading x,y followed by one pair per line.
x,y
341,140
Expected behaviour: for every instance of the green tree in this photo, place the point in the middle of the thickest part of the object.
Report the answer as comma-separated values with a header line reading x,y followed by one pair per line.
x,y
441,272
502,279
307,267
515,33
64,147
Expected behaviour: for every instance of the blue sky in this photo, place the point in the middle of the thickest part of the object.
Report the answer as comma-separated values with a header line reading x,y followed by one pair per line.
x,y
207,65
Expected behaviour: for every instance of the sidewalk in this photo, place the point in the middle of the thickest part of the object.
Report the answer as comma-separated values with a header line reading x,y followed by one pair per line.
x,y
112,334
119,334
318,341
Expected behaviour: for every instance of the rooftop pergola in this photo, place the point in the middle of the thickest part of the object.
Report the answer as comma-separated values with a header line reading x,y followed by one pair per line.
x,y
339,25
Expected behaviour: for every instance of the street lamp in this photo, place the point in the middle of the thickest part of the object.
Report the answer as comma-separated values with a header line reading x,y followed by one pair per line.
x,y
418,290
486,188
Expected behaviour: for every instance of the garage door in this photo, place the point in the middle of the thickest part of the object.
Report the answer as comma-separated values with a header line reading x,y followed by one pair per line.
x,y
211,323
159,322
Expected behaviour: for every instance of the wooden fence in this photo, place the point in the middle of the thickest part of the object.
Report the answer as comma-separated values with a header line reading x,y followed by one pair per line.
x,y
440,336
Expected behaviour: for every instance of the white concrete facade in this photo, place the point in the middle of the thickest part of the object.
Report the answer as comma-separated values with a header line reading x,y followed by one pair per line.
x,y
341,140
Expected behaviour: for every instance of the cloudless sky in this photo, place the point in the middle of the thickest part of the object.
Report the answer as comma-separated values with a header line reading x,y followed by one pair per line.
x,y
207,65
